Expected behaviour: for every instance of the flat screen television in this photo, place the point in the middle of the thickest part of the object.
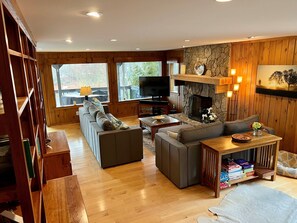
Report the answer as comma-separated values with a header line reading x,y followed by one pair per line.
x,y
154,86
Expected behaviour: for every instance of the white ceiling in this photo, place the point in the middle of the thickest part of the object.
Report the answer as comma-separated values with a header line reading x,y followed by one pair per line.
x,y
154,24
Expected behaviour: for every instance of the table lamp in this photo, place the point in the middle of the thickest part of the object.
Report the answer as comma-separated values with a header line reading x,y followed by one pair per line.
x,y
85,91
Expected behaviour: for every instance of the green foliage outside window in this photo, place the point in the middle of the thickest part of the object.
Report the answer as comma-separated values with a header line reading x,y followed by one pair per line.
x,y
128,77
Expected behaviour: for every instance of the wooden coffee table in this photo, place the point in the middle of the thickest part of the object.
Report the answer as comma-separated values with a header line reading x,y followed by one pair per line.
x,y
153,125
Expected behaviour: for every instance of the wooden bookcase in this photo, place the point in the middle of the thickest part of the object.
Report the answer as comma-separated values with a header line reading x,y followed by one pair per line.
x,y
23,116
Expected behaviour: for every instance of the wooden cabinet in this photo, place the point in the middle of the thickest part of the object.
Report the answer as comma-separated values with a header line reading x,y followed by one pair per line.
x,y
57,162
63,201
151,108
22,116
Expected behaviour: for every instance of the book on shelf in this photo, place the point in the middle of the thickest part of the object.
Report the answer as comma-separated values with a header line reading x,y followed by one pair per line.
x,y
4,140
1,104
29,158
38,146
10,217
5,153
4,149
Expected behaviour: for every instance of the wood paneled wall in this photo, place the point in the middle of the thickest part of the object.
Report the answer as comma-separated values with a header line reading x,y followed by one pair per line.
x,y
277,112
176,98
67,114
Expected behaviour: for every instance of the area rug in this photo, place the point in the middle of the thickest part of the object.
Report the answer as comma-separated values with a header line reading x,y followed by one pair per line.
x,y
254,203
147,140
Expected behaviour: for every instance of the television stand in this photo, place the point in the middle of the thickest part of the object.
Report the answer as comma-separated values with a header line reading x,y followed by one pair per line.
x,y
152,108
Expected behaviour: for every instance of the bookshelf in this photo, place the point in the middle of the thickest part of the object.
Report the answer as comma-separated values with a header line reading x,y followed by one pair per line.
x,y
21,117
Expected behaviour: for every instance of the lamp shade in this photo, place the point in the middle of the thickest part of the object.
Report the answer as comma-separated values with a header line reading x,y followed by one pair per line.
x,y
239,79
233,72
229,94
235,87
86,90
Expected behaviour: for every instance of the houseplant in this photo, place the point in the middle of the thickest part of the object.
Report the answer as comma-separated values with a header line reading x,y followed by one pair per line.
x,y
257,128
207,115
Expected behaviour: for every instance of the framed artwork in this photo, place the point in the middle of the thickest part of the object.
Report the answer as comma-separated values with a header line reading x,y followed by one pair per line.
x,y
279,80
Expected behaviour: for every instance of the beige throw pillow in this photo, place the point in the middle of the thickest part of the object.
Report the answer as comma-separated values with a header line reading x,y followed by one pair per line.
x,y
172,134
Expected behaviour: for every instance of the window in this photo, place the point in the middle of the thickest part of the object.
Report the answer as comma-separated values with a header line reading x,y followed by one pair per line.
x,y
173,68
69,78
128,77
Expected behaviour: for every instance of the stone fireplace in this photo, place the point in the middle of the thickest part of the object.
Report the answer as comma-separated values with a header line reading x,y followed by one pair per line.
x,y
216,58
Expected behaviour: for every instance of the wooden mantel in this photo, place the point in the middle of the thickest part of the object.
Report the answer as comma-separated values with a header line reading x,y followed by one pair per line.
x,y
221,83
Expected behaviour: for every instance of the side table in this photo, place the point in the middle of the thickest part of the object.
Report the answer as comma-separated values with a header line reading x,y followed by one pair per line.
x,y
266,146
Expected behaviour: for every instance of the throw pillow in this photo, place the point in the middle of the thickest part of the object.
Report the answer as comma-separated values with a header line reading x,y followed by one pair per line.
x,y
172,134
87,104
99,105
103,122
239,126
118,124
93,110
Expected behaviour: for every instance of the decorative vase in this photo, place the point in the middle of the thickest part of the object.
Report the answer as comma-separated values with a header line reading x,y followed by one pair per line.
x,y
257,132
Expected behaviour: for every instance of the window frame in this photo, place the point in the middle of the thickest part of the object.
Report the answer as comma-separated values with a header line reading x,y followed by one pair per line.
x,y
135,60
79,61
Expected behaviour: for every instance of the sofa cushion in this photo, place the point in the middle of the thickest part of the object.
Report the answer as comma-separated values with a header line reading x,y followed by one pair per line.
x,y
99,105
83,110
89,117
104,122
204,131
239,126
87,104
175,128
93,110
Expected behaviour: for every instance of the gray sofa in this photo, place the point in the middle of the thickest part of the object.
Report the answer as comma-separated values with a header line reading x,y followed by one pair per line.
x,y
178,148
110,147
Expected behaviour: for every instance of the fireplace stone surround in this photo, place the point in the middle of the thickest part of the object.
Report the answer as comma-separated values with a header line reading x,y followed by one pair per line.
x,y
217,61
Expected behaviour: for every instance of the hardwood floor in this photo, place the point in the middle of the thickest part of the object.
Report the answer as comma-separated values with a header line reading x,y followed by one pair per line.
x,y
139,192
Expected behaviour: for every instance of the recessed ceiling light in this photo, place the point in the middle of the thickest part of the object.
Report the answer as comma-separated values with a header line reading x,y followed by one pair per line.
x,y
184,46
113,40
68,40
251,37
223,0
187,40
94,14
87,49
137,48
